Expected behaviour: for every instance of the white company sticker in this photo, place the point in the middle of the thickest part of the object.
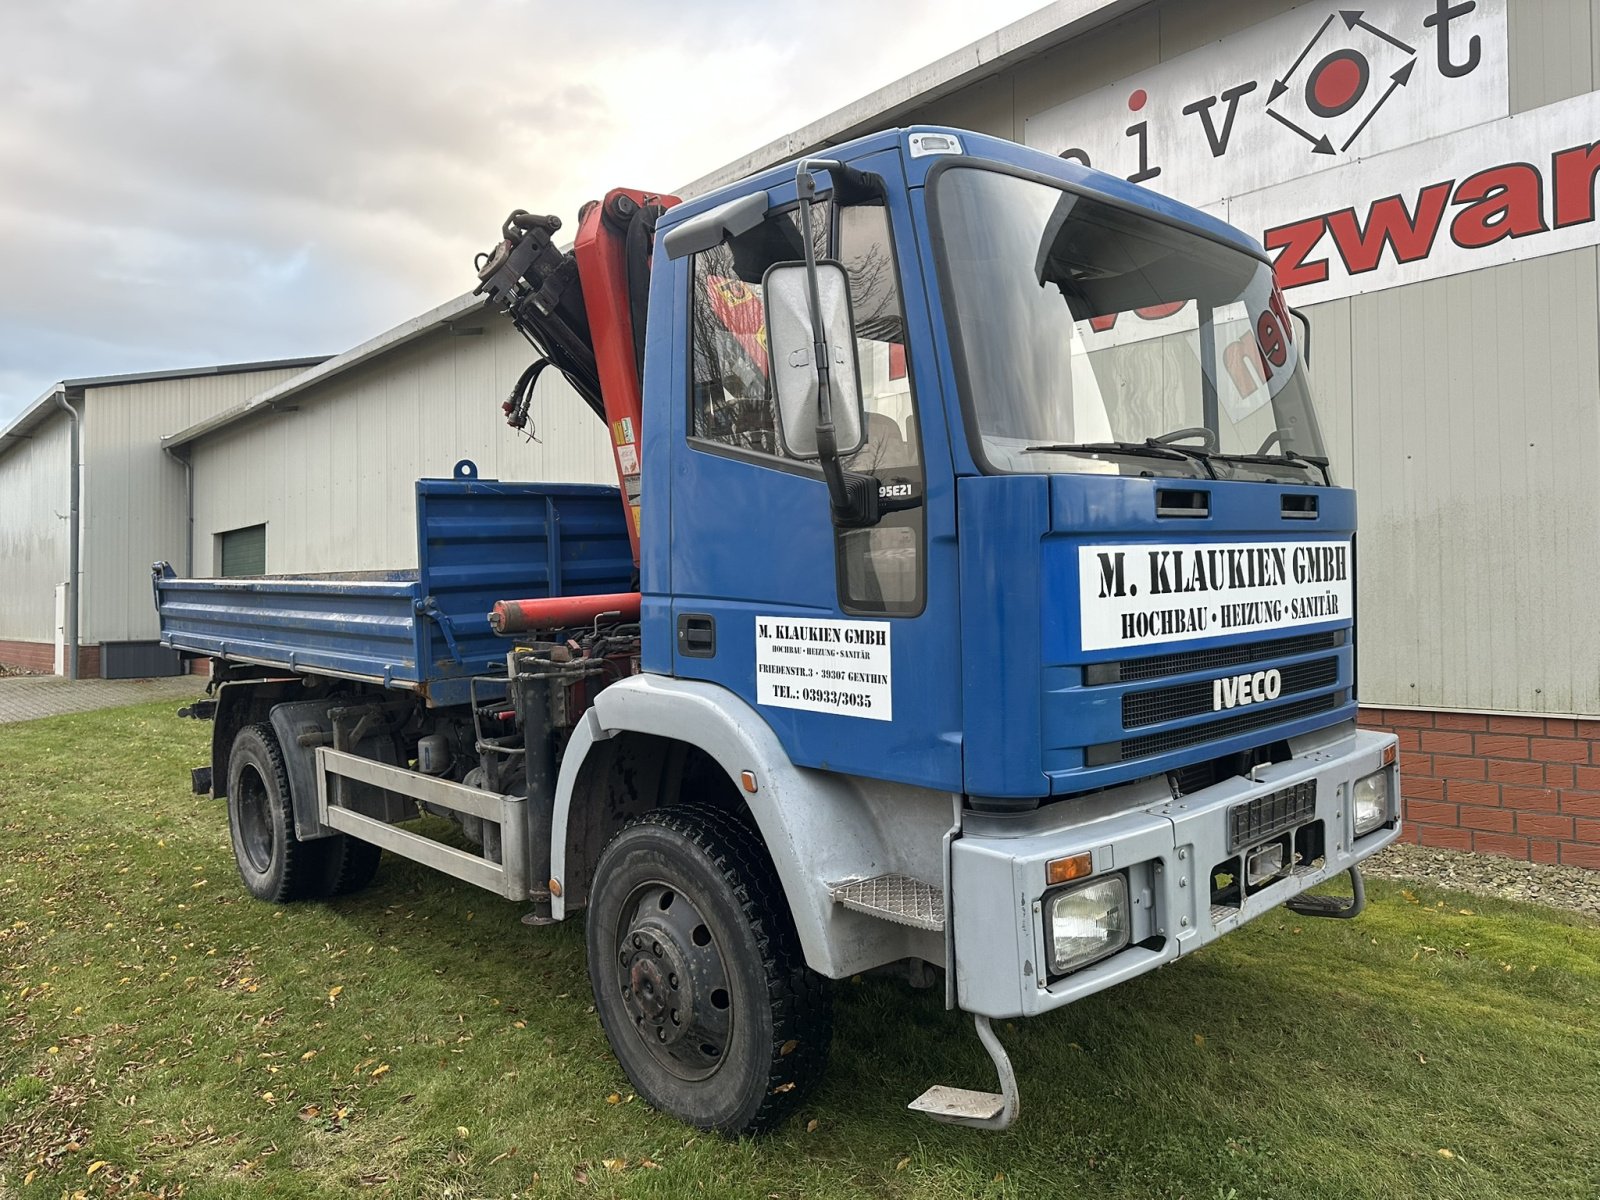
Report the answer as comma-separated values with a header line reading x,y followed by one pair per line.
x,y
839,667
1142,594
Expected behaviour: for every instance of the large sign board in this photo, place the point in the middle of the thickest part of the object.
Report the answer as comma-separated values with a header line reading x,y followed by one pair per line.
x,y
1366,148
1139,595
1309,91
825,666
1512,189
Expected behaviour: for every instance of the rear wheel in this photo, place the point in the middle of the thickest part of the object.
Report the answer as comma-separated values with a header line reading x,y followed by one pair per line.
x,y
698,976
350,866
274,865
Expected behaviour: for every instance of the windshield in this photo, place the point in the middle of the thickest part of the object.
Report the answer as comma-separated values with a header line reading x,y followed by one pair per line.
x,y
1088,329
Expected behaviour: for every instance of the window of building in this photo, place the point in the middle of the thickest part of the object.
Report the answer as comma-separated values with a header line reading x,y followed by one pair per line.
x,y
242,552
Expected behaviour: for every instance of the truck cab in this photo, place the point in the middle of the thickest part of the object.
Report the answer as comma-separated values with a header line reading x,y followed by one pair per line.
x,y
995,614
1127,583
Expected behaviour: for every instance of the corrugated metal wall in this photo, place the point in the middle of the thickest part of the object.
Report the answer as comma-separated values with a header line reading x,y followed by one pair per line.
x,y
133,493
34,507
1475,402
1473,408
1465,410
333,480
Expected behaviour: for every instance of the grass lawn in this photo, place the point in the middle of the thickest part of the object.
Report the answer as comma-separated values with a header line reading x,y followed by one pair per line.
x,y
161,1033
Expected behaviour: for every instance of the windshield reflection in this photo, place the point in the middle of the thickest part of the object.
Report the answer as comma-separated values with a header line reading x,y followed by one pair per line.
x,y
1088,330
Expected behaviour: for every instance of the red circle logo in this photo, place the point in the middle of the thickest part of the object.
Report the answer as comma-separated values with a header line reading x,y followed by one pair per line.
x,y
1337,83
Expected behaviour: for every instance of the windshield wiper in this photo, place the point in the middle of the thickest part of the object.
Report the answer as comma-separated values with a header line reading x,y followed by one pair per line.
x,y
1150,449
1287,458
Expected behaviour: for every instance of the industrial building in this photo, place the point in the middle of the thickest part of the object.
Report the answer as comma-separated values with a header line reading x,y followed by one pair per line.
x,y
323,464
1423,171
91,448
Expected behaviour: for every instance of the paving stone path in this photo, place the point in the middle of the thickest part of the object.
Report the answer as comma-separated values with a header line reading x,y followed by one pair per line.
x,y
29,697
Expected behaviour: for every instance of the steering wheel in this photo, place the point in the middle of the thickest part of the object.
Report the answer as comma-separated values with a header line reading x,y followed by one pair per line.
x,y
1273,438
1208,437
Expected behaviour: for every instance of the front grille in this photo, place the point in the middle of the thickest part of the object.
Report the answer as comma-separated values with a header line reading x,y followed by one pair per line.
x,y
1192,699
1266,816
1134,669
1210,731
1195,777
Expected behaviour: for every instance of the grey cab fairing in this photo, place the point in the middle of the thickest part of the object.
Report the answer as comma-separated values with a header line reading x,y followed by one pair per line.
x,y
715,226
820,828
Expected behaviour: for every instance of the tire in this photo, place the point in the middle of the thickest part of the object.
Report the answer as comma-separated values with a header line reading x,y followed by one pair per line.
x,y
350,864
698,976
274,865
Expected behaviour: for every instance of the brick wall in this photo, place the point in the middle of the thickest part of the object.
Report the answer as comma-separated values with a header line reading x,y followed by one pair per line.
x,y
41,657
28,656
1525,787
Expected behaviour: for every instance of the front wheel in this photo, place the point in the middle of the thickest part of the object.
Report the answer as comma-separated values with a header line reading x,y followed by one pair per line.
x,y
698,975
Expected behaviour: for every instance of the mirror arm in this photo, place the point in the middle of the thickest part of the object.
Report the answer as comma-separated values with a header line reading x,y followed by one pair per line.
x,y
1297,314
852,498
850,186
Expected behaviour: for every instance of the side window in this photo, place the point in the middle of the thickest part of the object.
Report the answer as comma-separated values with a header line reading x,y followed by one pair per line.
x,y
731,403
880,569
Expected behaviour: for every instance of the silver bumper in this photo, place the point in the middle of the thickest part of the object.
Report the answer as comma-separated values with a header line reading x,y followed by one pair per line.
x,y
1166,849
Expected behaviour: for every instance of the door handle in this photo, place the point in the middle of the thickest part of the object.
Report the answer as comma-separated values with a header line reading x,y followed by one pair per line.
x,y
697,635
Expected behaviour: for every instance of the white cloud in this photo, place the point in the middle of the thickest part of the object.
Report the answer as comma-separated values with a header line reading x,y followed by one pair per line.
x,y
189,182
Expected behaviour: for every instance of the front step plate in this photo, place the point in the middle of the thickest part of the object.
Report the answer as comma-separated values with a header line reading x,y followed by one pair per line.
x,y
959,1106
897,898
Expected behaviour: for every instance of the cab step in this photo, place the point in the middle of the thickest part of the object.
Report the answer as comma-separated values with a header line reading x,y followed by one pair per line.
x,y
1339,907
897,898
959,1106
978,1110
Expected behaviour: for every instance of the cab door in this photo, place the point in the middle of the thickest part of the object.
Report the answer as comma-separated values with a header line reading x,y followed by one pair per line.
x,y
843,640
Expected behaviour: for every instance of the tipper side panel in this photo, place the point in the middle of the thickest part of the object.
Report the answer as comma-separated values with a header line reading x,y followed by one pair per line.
x,y
479,541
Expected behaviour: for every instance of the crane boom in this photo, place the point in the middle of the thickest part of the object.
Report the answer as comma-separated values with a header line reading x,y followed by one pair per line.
x,y
584,311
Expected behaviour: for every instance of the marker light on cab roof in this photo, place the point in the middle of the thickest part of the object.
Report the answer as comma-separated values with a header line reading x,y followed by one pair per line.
x,y
934,143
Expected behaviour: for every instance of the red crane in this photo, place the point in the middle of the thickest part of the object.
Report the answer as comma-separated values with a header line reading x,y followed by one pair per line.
x,y
584,311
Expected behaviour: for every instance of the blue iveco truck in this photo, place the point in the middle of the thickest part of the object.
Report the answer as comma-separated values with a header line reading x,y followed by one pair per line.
x,y
974,596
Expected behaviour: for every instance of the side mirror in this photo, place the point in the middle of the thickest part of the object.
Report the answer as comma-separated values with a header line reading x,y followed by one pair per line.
x,y
791,358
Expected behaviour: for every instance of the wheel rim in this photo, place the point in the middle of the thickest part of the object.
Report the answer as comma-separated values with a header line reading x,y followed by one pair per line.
x,y
253,821
670,975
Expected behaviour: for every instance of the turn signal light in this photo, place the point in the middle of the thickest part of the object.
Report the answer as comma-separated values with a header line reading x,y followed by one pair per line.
x,y
1390,753
1065,870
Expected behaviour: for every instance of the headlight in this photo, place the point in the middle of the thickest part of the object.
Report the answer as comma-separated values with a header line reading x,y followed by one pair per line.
x,y
1370,797
1087,923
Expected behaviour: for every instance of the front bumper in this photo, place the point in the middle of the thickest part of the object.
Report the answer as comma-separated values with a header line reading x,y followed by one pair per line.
x,y
1168,850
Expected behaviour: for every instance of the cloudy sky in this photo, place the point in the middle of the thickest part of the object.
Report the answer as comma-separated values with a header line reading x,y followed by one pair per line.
x,y
189,182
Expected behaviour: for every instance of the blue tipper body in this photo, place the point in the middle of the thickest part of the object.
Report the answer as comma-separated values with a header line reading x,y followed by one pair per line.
x,y
478,541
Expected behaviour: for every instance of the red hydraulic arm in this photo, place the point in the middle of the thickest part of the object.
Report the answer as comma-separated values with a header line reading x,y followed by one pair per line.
x,y
561,612
602,254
